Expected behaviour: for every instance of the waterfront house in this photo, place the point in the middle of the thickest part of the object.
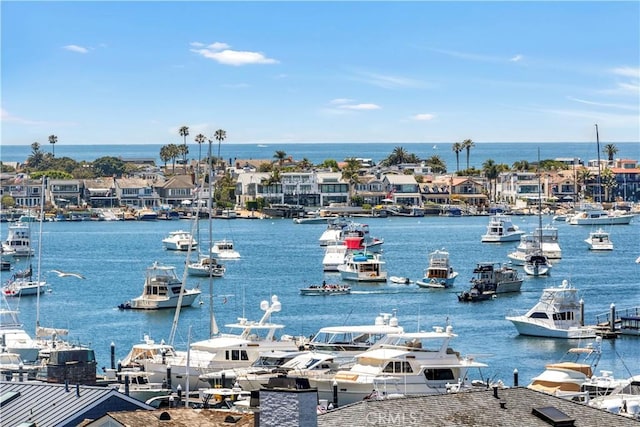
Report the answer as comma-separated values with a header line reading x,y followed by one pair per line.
x,y
332,188
137,192
64,192
100,192
176,190
402,189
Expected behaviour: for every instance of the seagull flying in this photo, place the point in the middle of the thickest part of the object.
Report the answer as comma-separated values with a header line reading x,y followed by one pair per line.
x,y
67,274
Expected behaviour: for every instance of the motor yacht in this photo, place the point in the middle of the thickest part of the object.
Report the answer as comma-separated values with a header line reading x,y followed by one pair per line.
x,y
224,249
599,240
162,289
439,273
501,229
363,267
179,240
557,314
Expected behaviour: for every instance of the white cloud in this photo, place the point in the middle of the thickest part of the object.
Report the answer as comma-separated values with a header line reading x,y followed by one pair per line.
x,y
221,53
360,107
75,48
627,72
517,58
423,117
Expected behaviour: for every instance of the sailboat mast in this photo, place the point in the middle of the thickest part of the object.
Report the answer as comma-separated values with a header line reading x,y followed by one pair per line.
x,y
42,199
599,184
213,326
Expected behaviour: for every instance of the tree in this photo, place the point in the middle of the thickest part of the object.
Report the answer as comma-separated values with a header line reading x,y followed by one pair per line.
x,y
521,165
436,164
165,155
305,164
608,181
280,156
173,151
35,160
457,148
184,133
491,172
108,166
199,139
52,140
220,135
584,176
467,144
350,173
329,164
610,150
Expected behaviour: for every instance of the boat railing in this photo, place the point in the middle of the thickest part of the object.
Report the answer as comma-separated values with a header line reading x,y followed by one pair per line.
x,y
605,318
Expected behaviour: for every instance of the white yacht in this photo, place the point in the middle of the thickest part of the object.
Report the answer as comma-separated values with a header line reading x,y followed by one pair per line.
x,y
179,240
162,289
18,241
599,240
363,267
239,348
224,249
501,229
415,363
333,231
206,266
557,314
14,338
544,238
536,264
439,273
334,255
595,214
622,400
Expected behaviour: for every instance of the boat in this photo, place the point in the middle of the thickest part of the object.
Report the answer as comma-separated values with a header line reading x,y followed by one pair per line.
x,y
501,229
559,313
333,231
408,363
630,324
536,264
325,289
595,214
363,267
136,383
146,214
543,239
439,273
491,279
179,240
400,280
566,377
15,339
350,340
18,241
13,368
312,217
224,249
236,349
304,364
356,236
603,384
162,289
334,255
623,400
206,266
599,240
23,286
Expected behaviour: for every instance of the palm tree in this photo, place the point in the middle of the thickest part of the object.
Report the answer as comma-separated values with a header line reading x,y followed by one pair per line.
x,y
457,148
220,135
608,181
351,175
280,155
584,176
436,164
200,138
521,165
610,150
467,144
165,155
52,140
491,172
184,133
173,151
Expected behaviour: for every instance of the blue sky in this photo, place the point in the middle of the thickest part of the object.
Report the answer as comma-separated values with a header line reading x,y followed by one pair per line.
x,y
134,72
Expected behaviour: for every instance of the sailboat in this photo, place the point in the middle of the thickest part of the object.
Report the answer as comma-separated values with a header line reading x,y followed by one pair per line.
x,y
22,282
536,263
205,265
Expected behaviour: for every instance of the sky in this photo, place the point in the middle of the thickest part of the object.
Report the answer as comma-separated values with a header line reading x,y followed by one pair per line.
x,y
118,72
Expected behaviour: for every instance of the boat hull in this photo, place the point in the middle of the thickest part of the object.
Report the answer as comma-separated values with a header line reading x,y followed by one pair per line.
x,y
146,304
525,326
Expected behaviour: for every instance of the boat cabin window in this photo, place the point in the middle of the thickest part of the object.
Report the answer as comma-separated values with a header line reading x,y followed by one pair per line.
x,y
539,315
398,367
236,355
566,315
439,374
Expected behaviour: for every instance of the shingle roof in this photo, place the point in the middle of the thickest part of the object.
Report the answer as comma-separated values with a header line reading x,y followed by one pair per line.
x,y
57,405
182,417
477,408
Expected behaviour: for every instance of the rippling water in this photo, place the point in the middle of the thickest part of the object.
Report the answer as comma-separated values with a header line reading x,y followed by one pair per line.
x,y
279,257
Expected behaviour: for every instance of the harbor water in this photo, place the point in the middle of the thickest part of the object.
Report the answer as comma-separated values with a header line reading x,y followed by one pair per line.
x,y
280,257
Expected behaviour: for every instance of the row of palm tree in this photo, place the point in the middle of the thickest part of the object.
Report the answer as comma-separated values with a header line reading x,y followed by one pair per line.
x,y
459,147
